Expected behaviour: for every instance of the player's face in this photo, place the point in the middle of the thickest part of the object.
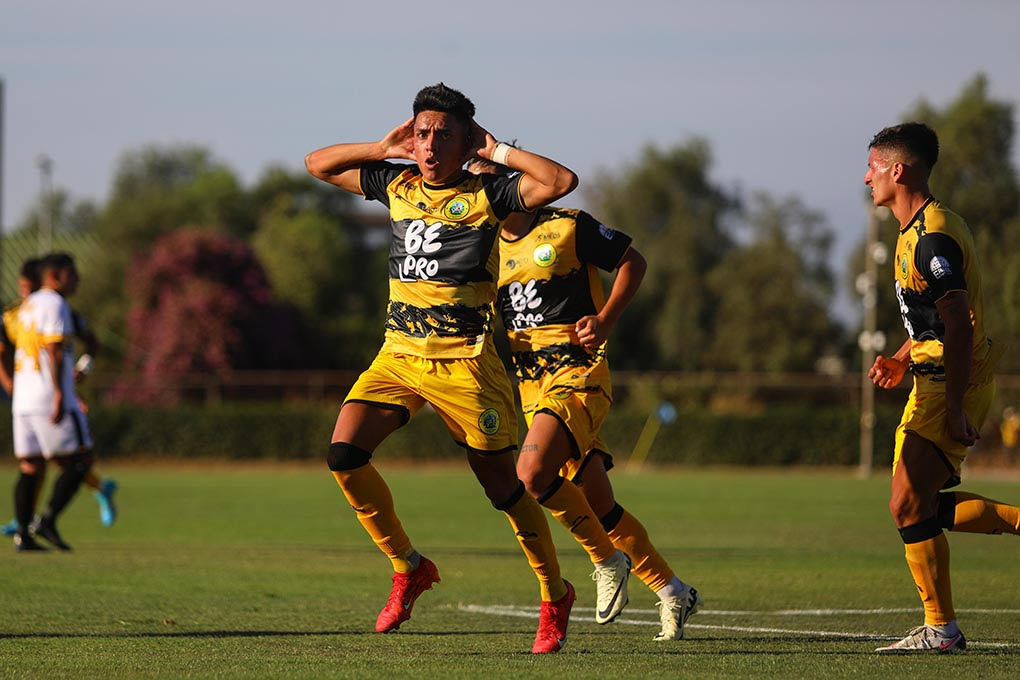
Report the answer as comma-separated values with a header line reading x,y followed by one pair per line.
x,y
67,281
24,287
440,145
879,178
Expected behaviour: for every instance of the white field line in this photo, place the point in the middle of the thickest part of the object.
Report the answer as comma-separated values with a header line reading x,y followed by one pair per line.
x,y
809,612
531,612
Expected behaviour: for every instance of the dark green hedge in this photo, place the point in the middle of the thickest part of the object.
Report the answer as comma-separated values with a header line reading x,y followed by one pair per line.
x,y
779,435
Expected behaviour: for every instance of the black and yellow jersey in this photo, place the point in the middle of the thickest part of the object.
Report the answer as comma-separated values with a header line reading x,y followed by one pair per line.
x,y
548,279
444,257
935,256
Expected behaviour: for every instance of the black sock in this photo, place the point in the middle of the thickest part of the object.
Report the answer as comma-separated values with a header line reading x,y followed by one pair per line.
x,y
24,499
65,487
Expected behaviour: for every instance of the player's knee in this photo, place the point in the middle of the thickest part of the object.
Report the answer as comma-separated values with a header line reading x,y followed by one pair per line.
x,y
904,508
32,466
536,479
344,456
510,500
544,493
83,461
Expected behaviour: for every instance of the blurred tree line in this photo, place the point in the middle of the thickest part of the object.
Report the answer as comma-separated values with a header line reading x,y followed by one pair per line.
x,y
198,273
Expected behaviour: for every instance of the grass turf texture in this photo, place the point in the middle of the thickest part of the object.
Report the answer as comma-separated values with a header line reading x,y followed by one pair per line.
x,y
264,572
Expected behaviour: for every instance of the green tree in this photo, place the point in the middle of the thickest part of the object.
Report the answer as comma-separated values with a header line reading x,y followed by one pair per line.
x,y
315,264
156,190
774,292
677,218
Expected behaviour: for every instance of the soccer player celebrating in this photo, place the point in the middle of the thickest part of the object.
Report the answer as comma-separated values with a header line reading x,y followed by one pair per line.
x,y
438,345
48,422
938,284
558,320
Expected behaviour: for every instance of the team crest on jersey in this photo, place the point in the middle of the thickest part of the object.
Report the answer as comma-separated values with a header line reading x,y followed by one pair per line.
x,y
488,422
903,265
456,209
545,255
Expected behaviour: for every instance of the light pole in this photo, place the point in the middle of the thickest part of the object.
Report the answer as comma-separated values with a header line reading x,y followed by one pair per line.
x,y
871,341
45,164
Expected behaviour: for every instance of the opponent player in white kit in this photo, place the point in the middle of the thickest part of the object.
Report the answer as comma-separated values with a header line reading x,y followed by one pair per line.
x,y
48,423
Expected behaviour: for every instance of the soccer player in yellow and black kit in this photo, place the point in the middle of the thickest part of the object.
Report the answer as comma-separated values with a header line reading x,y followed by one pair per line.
x,y
938,284
558,320
438,346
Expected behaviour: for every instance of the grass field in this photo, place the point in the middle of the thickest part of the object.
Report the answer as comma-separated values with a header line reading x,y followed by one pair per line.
x,y
263,572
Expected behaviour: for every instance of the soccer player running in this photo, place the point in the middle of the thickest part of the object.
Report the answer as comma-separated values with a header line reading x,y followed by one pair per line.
x,y
438,346
29,282
558,320
48,422
938,284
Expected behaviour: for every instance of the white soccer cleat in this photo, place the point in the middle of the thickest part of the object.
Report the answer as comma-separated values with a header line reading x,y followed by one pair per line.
x,y
926,639
611,586
674,612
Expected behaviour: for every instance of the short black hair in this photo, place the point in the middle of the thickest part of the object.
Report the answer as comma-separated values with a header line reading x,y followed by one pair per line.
x,y
445,99
55,262
31,270
917,141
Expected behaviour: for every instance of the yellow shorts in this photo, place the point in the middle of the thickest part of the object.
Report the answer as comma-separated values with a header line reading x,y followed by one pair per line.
x,y
581,412
473,396
925,416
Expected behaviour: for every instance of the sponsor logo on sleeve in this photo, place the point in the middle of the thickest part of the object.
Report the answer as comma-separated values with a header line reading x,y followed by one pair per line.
x,y
939,267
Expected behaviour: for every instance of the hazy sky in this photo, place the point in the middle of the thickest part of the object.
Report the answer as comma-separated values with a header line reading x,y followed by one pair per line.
x,y
788,93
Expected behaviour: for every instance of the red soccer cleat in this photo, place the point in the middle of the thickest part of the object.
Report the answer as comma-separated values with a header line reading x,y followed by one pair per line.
x,y
552,623
406,589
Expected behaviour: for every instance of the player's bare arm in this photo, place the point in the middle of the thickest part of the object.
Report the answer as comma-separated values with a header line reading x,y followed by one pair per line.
x,y
594,329
55,352
957,353
888,372
544,180
338,164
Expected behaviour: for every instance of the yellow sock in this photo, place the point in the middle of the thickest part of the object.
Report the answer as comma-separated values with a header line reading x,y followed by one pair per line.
x,y
979,515
929,564
532,529
368,494
570,508
630,536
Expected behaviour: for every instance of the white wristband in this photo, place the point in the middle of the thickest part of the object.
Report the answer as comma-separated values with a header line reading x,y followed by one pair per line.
x,y
500,153
84,365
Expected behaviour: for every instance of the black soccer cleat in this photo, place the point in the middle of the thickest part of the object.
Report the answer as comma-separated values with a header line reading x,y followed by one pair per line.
x,y
23,542
48,530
